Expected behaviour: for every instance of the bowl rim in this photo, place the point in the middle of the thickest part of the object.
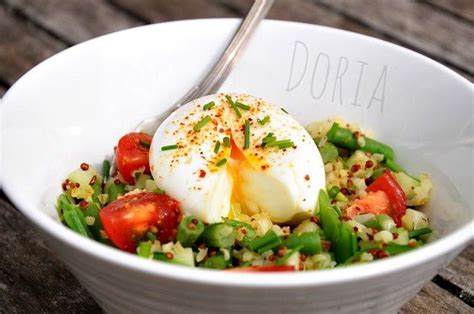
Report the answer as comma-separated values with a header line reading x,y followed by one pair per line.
x,y
92,249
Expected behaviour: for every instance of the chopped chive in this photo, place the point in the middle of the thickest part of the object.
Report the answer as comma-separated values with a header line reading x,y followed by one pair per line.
x,y
283,109
281,144
226,141
209,105
216,148
242,106
169,147
221,162
267,139
264,120
247,134
145,144
202,123
231,102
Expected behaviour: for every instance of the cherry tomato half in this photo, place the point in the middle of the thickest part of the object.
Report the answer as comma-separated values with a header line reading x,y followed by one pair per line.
x,y
127,219
132,155
388,184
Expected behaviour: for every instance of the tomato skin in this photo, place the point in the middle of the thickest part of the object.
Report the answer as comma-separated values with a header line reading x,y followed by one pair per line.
x,y
388,184
127,219
132,155
263,268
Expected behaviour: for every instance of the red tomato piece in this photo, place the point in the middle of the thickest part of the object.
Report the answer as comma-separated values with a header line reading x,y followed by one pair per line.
x,y
264,268
133,154
127,219
374,203
388,184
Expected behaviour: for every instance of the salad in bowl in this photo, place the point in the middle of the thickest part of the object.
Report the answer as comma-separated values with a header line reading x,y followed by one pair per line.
x,y
232,182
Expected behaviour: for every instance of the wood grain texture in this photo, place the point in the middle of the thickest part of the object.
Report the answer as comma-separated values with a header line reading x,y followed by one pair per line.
x,y
460,8
22,46
461,270
432,299
416,24
74,21
164,10
32,279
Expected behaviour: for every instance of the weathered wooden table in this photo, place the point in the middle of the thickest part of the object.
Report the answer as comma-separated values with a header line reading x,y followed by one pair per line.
x,y
33,280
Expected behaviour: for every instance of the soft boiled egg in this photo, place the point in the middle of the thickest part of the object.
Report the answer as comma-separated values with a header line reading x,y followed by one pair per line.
x,y
224,149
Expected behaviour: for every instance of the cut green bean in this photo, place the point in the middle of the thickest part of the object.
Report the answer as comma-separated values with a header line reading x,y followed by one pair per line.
x,y
105,169
393,166
345,138
329,218
75,220
249,232
310,242
333,191
92,210
218,235
419,232
270,246
189,230
328,152
395,249
259,242
215,262
144,249
115,190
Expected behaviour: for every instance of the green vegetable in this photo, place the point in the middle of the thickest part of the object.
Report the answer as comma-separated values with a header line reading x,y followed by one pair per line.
x,y
265,120
160,256
144,249
221,162
345,138
215,262
74,221
115,190
333,191
247,134
270,246
284,259
189,230
343,240
328,152
377,173
217,147
407,184
242,106
259,242
182,256
202,123
169,147
218,235
209,105
105,169
395,249
418,232
236,109
393,166
92,210
250,233
150,236
97,187
310,242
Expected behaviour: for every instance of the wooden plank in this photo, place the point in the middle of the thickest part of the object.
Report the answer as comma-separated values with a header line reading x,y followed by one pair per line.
x,y
3,90
461,270
22,46
165,10
32,279
315,13
75,21
438,34
461,8
432,299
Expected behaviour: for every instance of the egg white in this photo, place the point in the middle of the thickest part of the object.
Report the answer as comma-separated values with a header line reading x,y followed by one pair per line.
x,y
283,183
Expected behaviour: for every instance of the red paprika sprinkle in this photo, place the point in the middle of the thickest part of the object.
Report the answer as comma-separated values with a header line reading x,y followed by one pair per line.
x,y
202,173
306,177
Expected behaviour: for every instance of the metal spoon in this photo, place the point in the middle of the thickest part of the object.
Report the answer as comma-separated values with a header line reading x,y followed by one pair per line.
x,y
218,73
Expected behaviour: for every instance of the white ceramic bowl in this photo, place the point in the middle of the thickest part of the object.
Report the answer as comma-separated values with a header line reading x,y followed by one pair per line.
x,y
74,107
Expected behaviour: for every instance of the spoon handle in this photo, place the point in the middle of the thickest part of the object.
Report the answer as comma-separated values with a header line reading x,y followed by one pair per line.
x,y
221,70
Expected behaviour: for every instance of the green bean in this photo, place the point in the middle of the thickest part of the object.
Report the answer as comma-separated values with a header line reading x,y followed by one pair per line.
x,y
115,190
395,249
418,232
270,246
333,191
105,169
329,217
215,262
346,245
75,222
259,242
345,138
282,260
218,235
92,210
97,187
393,166
160,256
189,230
328,152
249,232
144,249
310,242
377,173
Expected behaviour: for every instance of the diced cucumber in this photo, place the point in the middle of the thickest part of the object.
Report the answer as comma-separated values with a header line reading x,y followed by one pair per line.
x,y
183,256
407,183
